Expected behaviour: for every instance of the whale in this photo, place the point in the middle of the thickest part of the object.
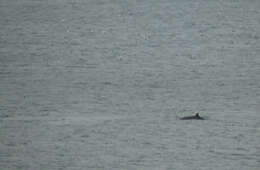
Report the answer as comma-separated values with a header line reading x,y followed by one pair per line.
x,y
195,117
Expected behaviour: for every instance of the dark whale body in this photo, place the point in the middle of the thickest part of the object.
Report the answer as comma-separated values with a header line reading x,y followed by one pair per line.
x,y
196,117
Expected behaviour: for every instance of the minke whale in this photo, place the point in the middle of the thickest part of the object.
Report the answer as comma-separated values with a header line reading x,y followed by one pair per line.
x,y
196,117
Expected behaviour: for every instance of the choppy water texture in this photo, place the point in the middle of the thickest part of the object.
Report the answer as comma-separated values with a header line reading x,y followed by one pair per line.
x,y
101,84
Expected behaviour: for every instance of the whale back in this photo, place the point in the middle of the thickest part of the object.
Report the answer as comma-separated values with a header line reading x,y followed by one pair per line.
x,y
195,117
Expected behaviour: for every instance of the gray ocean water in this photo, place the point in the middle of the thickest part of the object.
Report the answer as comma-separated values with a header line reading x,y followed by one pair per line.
x,y
101,84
